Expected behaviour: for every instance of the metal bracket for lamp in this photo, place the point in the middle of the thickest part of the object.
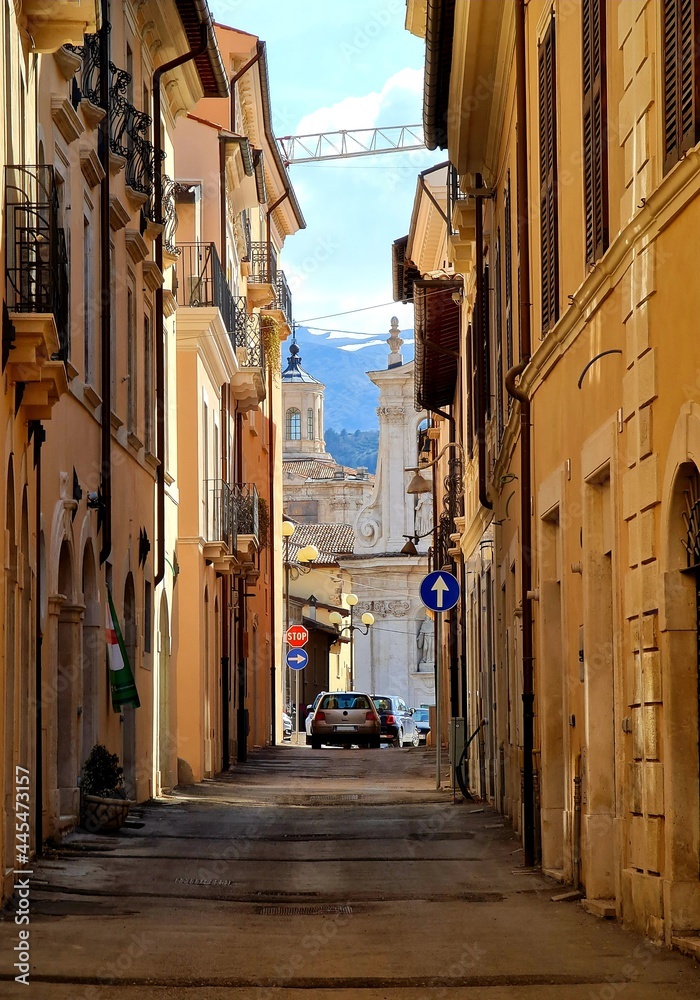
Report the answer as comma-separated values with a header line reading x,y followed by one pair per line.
x,y
420,485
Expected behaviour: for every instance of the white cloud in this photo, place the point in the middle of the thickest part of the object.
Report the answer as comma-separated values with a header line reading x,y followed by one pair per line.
x,y
362,112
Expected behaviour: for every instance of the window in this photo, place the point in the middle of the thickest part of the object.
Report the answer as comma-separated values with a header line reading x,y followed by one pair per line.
x,y
549,223
595,129
131,350
88,319
680,77
148,382
147,616
486,342
293,424
310,424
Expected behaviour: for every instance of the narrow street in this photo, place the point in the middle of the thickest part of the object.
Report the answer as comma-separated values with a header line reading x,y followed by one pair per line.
x,y
337,873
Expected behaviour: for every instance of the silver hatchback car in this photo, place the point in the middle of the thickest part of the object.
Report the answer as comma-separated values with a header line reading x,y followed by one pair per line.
x,y
343,718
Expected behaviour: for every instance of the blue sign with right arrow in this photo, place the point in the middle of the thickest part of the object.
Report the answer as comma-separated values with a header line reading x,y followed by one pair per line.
x,y
297,659
439,591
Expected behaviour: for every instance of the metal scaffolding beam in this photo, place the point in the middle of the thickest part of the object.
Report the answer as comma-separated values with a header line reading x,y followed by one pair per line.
x,y
346,143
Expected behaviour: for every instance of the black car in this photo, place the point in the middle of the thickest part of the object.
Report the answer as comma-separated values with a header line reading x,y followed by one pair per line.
x,y
421,717
398,726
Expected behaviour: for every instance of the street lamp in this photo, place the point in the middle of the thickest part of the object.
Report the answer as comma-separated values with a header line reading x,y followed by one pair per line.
x,y
367,620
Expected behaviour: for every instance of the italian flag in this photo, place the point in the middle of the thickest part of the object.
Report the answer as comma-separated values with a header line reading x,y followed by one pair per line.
x,y
121,678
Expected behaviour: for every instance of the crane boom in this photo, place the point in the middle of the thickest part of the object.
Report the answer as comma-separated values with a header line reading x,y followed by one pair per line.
x,y
346,143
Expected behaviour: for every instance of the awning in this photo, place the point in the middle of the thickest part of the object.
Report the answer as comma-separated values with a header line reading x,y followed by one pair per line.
x,y
404,273
437,326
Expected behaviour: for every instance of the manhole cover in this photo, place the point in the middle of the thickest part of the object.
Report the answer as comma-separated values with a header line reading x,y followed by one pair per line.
x,y
301,911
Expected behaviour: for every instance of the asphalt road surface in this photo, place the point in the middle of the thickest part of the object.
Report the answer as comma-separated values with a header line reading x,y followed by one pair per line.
x,y
339,873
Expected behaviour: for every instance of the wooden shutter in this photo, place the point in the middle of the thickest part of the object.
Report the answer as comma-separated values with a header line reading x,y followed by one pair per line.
x,y
499,340
595,128
486,342
680,78
508,253
549,224
471,389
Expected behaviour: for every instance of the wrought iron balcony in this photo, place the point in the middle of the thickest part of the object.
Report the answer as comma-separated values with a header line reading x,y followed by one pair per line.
x,y
36,263
284,297
202,282
263,271
249,335
169,219
246,505
219,526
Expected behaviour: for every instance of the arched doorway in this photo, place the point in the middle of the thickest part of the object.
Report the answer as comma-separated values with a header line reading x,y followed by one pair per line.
x,y
93,653
129,712
10,707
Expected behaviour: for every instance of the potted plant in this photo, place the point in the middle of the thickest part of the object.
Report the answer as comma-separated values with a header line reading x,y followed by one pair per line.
x,y
103,802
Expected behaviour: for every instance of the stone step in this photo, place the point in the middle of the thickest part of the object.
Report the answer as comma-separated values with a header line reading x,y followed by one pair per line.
x,y
688,945
604,908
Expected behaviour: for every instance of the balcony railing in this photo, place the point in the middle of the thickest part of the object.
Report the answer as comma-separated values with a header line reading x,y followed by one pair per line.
x,y
202,282
219,513
263,270
36,263
284,297
247,509
128,127
169,219
249,334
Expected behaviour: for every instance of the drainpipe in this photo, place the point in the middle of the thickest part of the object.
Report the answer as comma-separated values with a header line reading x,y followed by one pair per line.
x,y
105,296
37,429
528,806
482,349
577,823
271,557
242,623
268,223
160,348
226,595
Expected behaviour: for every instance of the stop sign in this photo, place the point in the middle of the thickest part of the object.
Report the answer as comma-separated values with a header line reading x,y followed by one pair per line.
x,y
297,635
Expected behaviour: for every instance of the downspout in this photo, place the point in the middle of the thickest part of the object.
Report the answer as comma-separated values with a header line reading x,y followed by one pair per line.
x,y
528,805
268,221
482,351
241,627
105,296
226,594
160,346
39,438
270,518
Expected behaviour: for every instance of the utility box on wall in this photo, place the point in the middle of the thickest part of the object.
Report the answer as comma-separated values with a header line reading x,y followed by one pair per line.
x,y
457,738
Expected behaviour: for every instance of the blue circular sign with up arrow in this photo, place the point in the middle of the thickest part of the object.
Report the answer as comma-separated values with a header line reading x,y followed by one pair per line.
x,y
439,591
297,659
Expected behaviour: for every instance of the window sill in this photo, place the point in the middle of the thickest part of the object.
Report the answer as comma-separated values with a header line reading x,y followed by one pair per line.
x,y
91,396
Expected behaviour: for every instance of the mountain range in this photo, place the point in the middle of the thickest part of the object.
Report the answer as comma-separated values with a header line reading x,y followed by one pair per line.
x,y
350,398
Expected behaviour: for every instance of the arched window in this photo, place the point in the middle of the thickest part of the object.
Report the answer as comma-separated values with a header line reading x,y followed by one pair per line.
x,y
293,424
423,440
310,424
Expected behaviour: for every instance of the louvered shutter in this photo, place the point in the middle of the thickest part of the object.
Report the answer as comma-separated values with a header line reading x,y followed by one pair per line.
x,y
471,389
680,76
486,342
549,227
595,128
499,340
508,250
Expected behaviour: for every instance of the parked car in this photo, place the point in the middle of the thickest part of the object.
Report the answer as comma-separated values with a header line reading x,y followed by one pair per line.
x,y
421,717
286,726
398,726
344,718
310,709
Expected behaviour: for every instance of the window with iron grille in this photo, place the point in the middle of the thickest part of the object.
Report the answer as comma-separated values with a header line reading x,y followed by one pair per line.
x,y
595,128
549,222
680,32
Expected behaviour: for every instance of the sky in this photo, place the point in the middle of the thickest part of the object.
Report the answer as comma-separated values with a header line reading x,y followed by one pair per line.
x,y
335,66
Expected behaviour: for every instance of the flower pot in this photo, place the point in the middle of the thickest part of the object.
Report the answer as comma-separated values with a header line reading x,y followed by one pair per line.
x,y
102,815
